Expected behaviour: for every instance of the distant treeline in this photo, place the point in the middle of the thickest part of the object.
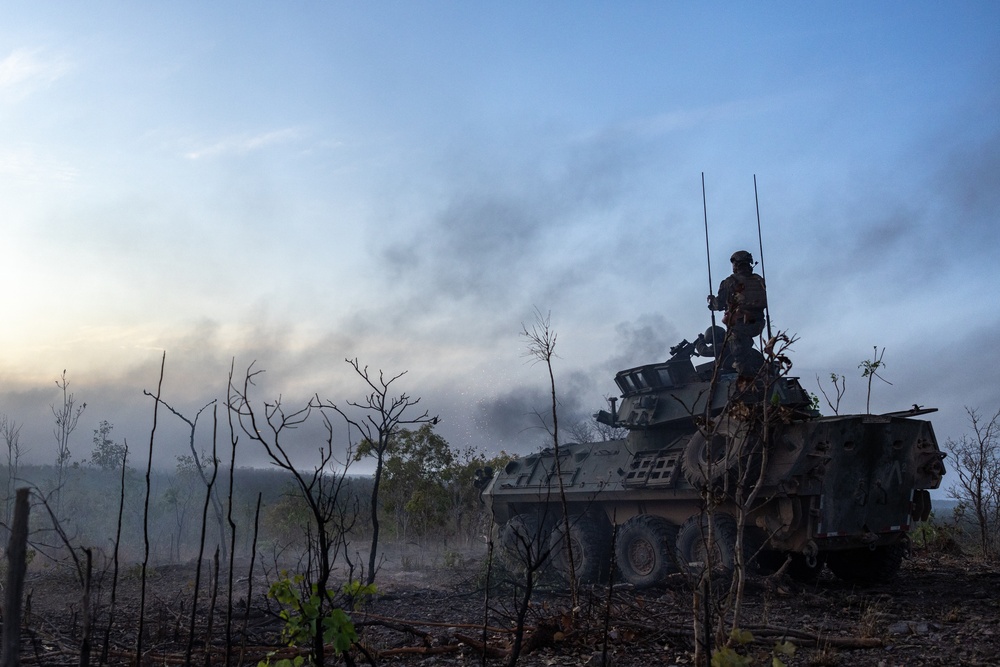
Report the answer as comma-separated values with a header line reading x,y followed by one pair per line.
x,y
87,508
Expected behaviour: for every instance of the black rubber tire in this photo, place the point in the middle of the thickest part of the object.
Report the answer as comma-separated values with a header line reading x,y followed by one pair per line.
x,y
523,542
867,566
692,552
645,550
591,549
726,466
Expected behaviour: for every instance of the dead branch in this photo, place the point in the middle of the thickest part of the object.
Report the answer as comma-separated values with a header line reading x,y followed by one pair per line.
x,y
816,639
432,624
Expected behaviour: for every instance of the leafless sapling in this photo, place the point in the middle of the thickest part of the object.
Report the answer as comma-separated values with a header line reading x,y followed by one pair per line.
x,y
977,464
145,516
10,431
209,488
541,340
718,539
376,419
84,575
67,417
324,488
202,466
112,608
839,383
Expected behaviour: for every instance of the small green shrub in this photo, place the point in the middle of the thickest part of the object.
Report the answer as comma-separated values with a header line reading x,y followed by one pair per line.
x,y
304,618
452,559
356,592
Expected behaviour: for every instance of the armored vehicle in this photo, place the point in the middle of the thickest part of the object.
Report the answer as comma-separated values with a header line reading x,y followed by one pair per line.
x,y
841,491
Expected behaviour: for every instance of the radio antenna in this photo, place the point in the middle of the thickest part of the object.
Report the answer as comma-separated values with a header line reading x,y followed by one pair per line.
x,y
760,245
708,256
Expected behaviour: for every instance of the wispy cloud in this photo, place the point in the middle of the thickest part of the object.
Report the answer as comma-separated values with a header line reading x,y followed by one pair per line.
x,y
243,144
23,164
25,70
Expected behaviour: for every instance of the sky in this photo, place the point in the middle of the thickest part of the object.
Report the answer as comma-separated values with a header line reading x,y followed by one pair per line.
x,y
291,185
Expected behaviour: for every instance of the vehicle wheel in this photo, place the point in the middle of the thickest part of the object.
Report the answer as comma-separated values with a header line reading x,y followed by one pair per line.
x,y
644,550
523,540
719,461
694,555
589,543
867,566
800,571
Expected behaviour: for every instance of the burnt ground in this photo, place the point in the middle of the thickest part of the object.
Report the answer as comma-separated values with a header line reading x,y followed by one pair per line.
x,y
942,610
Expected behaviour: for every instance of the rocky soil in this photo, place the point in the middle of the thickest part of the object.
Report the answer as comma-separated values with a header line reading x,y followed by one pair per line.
x,y
942,610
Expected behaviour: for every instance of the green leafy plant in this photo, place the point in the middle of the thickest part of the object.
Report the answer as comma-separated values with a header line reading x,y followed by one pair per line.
x,y
782,649
728,656
304,619
926,533
452,558
357,591
297,661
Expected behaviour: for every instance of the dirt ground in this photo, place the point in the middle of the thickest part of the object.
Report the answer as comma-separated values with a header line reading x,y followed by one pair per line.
x,y
942,610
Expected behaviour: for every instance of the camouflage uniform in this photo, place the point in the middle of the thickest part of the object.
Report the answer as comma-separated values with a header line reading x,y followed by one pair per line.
x,y
744,297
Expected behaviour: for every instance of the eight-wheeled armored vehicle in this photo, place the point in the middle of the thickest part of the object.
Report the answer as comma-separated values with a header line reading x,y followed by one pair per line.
x,y
708,446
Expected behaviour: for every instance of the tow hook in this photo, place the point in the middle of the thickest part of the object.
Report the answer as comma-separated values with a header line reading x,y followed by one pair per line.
x,y
810,551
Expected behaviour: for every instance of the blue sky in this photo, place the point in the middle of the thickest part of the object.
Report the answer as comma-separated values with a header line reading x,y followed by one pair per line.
x,y
299,183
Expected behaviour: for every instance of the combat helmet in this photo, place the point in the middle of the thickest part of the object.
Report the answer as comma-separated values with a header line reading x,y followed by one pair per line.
x,y
741,257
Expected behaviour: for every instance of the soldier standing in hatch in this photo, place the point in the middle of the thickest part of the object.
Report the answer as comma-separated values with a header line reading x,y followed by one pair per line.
x,y
744,297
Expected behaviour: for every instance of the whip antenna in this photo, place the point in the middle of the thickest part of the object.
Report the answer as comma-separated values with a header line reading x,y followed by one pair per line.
x,y
708,256
760,246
